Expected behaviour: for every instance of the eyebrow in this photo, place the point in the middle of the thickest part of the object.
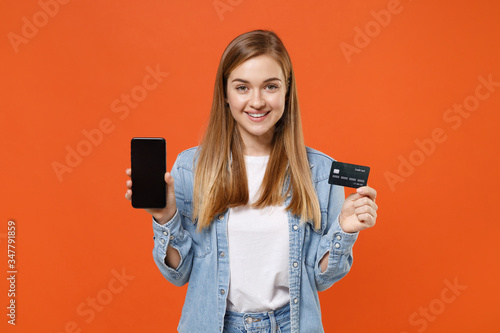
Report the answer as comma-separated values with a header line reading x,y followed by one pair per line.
x,y
245,81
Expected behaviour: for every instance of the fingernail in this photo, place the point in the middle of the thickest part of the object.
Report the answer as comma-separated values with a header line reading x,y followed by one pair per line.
x,y
359,190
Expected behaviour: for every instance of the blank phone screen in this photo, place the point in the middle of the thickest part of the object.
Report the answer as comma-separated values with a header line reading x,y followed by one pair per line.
x,y
148,160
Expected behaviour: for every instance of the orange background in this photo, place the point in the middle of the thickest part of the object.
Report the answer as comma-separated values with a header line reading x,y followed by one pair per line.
x,y
438,226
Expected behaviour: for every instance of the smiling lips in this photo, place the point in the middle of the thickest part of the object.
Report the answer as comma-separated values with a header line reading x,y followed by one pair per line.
x,y
257,116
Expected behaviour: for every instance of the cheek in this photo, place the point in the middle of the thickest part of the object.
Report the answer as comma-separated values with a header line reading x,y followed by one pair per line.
x,y
278,102
235,101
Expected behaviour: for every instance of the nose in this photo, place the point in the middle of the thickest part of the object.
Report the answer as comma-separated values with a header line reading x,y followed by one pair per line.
x,y
256,100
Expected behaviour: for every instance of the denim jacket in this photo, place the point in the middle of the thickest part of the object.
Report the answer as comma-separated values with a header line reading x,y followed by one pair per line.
x,y
205,257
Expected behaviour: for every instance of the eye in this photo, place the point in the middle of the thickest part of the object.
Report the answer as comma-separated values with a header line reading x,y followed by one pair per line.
x,y
272,86
241,88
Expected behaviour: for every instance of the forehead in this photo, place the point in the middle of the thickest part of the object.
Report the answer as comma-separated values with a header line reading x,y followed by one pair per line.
x,y
256,68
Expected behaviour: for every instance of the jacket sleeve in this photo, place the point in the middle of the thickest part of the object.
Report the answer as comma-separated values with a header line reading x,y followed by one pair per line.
x,y
335,241
173,234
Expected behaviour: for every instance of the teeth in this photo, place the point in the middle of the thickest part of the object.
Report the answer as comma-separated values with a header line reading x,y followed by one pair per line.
x,y
257,115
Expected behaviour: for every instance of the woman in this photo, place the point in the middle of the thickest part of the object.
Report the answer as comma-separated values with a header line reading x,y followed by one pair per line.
x,y
251,221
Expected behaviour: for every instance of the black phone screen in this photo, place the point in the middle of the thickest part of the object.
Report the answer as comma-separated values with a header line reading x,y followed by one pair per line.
x,y
148,160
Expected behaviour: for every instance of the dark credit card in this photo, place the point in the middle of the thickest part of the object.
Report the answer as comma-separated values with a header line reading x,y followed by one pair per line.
x,y
350,175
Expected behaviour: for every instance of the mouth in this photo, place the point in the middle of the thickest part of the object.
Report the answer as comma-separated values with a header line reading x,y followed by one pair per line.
x,y
257,116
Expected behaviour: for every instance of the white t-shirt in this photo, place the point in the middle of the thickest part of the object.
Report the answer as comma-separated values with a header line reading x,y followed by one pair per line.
x,y
258,250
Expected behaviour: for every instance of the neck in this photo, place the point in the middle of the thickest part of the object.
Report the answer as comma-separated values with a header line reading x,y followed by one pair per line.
x,y
257,146
257,151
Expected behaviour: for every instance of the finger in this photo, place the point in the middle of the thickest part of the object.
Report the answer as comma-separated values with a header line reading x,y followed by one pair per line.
x,y
170,188
169,179
128,171
367,219
128,195
365,209
367,191
129,184
365,201
354,196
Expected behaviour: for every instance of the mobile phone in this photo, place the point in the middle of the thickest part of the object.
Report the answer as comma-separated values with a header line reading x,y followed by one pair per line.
x,y
148,163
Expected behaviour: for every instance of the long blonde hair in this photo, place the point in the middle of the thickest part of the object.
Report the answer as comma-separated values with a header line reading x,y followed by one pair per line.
x,y
220,178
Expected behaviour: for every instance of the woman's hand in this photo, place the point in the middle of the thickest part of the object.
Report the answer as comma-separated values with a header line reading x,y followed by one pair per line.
x,y
161,215
359,210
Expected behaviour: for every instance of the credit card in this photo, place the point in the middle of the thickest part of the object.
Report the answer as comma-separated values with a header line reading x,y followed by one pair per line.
x,y
350,175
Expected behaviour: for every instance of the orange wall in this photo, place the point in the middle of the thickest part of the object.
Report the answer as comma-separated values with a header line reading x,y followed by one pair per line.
x,y
381,83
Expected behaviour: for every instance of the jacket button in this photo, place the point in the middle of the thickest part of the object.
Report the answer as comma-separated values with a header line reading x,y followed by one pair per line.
x,y
295,227
165,233
295,264
162,241
295,300
222,291
222,254
221,217
337,245
338,237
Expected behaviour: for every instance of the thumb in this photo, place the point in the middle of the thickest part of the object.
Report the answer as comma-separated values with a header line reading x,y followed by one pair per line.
x,y
170,190
170,183
169,179
353,196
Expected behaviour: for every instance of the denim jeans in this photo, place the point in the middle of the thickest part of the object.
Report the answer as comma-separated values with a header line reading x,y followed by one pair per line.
x,y
277,321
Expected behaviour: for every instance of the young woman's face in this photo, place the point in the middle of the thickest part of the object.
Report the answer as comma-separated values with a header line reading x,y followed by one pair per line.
x,y
256,92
